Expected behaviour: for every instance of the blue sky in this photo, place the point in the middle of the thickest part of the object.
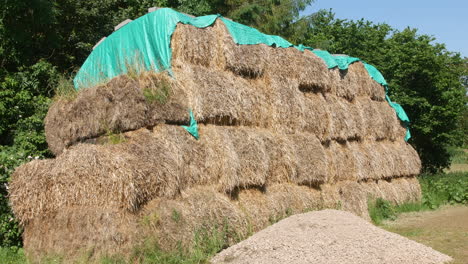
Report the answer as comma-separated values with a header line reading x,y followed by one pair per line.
x,y
446,20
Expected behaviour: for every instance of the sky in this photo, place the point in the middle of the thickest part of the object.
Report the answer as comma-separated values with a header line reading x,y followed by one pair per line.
x,y
446,20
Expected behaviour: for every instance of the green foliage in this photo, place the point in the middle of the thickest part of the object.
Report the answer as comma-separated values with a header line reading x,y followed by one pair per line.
x,y
12,256
380,210
440,189
65,89
269,16
425,78
23,104
458,155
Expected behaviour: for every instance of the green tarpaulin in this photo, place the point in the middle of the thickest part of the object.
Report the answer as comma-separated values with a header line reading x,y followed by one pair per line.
x,y
145,44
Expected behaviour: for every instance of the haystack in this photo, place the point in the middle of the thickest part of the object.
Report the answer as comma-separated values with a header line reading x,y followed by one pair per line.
x,y
280,134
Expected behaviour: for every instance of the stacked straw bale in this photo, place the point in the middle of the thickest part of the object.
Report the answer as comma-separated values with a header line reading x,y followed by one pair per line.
x,y
279,134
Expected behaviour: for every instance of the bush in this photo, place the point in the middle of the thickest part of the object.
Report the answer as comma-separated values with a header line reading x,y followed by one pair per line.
x,y
440,189
23,107
380,210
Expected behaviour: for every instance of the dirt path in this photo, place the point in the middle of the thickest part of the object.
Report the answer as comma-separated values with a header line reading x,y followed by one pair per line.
x,y
445,230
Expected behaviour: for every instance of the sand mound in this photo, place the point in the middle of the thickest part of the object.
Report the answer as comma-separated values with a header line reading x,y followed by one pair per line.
x,y
328,236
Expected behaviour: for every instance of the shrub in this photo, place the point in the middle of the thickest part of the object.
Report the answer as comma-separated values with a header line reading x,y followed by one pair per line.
x,y
380,210
440,189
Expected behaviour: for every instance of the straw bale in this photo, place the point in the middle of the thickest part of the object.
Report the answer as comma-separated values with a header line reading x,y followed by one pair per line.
x,y
405,191
93,109
377,91
382,162
311,160
116,106
308,70
264,207
361,79
175,222
362,158
316,116
353,198
373,123
341,162
355,82
250,160
346,195
344,83
288,105
359,83
172,109
389,192
409,161
396,190
375,160
283,164
222,97
391,123
80,231
346,122
199,46
109,175
414,187
247,61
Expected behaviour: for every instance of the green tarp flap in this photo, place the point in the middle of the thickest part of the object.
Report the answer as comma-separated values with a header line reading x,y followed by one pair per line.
x,y
327,57
193,127
245,35
344,61
376,75
145,44
401,115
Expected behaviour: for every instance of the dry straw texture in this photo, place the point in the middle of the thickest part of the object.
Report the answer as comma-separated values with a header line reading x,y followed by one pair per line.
x,y
78,230
280,134
167,160
284,90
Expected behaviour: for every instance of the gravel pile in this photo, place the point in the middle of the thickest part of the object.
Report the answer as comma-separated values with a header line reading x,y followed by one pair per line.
x,y
328,236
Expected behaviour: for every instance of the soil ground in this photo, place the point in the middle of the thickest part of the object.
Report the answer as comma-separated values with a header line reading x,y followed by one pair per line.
x,y
445,230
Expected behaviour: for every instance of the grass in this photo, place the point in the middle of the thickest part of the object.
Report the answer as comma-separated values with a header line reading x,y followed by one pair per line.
x,y
445,230
65,89
12,256
115,138
207,242
459,159
459,155
437,190
159,92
